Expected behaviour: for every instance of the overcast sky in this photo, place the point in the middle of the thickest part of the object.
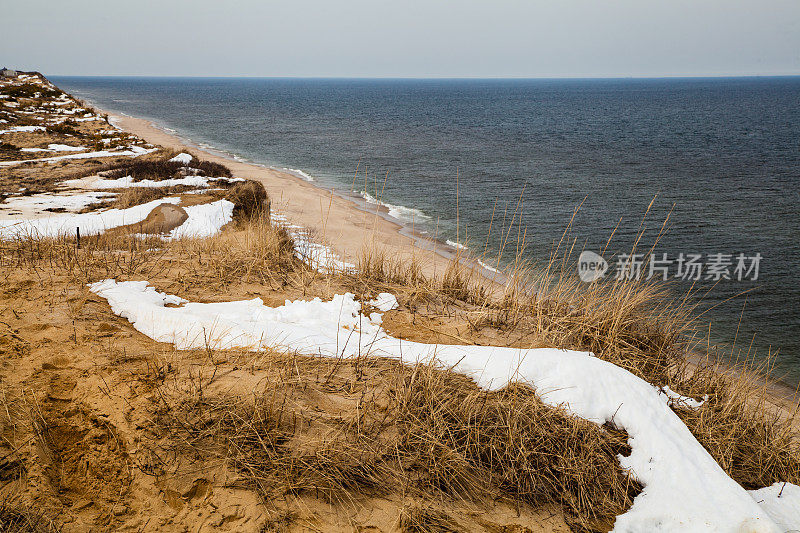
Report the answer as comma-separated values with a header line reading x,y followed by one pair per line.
x,y
403,38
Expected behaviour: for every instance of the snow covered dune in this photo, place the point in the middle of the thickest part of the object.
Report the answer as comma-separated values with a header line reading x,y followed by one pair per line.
x,y
91,223
684,488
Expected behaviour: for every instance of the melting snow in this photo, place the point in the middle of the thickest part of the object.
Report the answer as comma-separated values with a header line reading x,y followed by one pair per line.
x,y
319,256
204,220
684,488
55,148
23,128
385,301
182,158
134,151
782,503
127,181
89,223
68,202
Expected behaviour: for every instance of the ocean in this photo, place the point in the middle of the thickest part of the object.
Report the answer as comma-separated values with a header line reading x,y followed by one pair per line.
x,y
721,157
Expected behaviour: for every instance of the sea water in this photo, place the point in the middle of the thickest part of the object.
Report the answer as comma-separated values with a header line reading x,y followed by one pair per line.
x,y
720,156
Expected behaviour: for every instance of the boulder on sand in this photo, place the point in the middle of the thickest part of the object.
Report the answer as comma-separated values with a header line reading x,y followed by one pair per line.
x,y
162,219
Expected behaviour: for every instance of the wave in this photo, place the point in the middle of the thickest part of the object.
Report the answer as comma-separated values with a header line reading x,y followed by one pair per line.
x,y
487,267
456,245
299,173
399,212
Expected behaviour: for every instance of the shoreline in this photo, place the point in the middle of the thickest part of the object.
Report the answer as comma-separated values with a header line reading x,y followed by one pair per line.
x,y
362,218
345,222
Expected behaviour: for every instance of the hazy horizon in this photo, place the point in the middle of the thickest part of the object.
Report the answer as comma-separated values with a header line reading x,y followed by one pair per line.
x,y
417,39
421,78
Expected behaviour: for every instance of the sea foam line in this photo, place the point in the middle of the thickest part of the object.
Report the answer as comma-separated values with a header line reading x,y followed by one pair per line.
x,y
399,212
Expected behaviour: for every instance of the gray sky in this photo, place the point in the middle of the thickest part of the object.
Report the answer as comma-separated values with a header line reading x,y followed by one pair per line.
x,y
403,38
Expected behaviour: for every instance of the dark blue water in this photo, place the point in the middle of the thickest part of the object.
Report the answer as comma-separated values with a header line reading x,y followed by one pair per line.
x,y
722,154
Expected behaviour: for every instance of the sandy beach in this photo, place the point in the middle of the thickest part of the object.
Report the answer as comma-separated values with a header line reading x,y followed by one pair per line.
x,y
198,356
347,226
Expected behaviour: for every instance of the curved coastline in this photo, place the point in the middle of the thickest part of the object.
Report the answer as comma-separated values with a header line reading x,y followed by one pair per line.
x,y
432,248
374,217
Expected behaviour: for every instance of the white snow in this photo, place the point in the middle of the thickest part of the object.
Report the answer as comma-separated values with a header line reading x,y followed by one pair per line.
x,y
676,400
782,503
182,158
55,148
89,223
204,220
16,129
134,151
318,256
685,490
69,202
385,301
65,148
127,181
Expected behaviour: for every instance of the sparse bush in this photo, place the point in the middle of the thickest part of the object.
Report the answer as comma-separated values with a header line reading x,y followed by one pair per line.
x,y
64,129
137,196
160,169
29,90
250,200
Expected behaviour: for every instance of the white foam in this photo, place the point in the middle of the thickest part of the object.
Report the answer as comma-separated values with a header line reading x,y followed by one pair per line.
x,y
399,212
299,173
487,267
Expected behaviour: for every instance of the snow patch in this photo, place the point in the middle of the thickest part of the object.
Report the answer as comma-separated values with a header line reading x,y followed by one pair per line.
x,y
88,223
127,182
134,151
16,129
684,488
182,158
204,220
676,400
68,202
318,256
781,501
385,301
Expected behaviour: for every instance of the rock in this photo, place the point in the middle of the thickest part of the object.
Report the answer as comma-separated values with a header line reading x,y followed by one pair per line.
x,y
163,219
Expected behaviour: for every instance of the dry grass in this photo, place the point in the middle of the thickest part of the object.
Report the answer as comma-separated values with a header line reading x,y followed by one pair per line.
x,y
162,168
21,518
426,430
250,200
423,431
137,196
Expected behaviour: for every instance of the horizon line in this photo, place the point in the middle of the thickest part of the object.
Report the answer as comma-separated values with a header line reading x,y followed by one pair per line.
x,y
433,78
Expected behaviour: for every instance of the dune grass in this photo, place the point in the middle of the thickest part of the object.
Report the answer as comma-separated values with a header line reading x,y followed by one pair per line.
x,y
425,429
